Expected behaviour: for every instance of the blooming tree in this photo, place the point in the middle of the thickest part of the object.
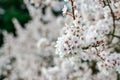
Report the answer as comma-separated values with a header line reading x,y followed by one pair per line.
x,y
89,43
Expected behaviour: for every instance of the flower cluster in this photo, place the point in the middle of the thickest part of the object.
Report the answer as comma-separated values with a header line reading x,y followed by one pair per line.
x,y
110,63
81,40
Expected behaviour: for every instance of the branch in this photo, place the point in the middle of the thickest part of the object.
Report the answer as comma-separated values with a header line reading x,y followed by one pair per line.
x,y
112,13
73,11
115,35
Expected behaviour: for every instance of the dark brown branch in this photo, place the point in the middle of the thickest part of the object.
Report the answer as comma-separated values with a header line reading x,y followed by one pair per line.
x,y
73,9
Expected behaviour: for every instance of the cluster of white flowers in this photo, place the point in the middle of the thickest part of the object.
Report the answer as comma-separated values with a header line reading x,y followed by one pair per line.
x,y
110,63
85,38
84,41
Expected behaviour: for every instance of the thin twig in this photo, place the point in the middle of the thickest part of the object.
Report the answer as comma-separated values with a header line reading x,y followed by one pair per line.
x,y
70,14
113,17
115,35
73,11
99,55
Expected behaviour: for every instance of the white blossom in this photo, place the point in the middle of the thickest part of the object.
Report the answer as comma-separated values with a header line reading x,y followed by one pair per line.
x,y
64,9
